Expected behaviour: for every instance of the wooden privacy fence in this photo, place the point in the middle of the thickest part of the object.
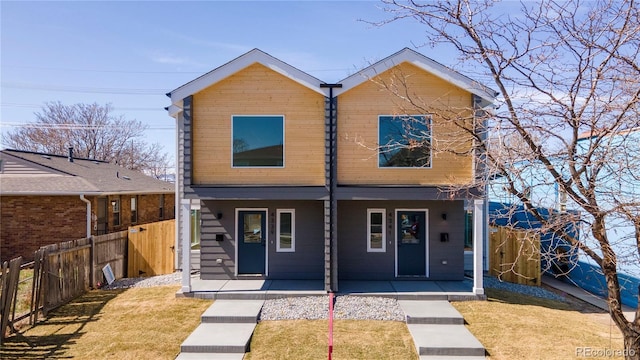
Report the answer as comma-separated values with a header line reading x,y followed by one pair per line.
x,y
64,271
514,255
9,279
151,249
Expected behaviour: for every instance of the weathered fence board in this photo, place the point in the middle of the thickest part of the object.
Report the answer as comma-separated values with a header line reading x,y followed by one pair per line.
x,y
151,249
514,255
9,286
109,249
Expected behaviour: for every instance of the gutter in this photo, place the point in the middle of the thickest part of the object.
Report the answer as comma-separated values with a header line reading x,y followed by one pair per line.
x,y
88,214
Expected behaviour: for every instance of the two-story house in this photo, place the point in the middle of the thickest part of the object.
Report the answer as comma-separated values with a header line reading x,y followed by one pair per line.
x,y
294,178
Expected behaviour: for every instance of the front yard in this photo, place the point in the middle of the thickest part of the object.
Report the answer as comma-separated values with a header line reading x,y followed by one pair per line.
x,y
151,323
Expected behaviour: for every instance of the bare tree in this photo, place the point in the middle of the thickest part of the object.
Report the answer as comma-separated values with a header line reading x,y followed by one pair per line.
x,y
94,133
568,77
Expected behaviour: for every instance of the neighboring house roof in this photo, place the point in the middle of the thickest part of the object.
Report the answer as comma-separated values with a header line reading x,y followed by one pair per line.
x,y
427,64
31,173
258,56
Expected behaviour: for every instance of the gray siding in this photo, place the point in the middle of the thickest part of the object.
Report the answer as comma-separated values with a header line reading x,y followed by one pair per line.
x,y
305,263
356,263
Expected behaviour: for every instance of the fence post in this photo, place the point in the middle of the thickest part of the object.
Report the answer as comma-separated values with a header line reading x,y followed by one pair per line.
x,y
92,268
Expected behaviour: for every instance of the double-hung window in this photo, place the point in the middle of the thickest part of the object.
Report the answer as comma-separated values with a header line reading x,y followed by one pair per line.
x,y
404,141
257,141
376,235
134,209
286,236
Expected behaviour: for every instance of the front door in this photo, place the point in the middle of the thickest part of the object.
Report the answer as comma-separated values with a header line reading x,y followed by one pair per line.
x,y
411,242
252,234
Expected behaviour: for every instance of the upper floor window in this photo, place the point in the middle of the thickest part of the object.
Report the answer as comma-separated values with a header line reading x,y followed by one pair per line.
x,y
258,141
404,141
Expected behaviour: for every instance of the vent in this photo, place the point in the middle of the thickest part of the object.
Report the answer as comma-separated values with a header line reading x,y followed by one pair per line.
x,y
126,177
46,157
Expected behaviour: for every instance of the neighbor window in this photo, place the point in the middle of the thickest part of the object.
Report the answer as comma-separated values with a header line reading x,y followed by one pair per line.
x,y
286,231
404,141
134,209
115,205
258,141
161,215
376,239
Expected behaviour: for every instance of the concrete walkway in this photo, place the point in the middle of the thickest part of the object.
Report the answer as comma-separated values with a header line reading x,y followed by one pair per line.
x,y
224,331
585,296
436,326
438,331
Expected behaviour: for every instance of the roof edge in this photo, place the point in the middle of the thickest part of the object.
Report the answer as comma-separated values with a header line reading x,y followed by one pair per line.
x,y
241,62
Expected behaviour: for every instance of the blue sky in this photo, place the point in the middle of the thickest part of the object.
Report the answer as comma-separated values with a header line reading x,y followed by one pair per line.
x,y
130,54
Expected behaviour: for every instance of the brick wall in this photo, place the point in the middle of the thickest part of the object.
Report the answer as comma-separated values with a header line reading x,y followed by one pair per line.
x,y
148,207
28,222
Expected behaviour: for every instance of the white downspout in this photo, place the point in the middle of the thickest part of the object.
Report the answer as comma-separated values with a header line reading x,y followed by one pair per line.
x,y
88,214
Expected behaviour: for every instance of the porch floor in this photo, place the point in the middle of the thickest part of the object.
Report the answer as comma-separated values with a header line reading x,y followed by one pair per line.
x,y
271,289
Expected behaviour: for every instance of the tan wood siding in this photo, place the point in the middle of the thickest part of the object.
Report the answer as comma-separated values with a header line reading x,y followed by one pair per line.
x,y
258,90
358,113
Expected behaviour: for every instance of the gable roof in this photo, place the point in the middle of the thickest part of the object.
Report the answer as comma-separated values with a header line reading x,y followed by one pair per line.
x,y
258,56
32,173
243,61
427,64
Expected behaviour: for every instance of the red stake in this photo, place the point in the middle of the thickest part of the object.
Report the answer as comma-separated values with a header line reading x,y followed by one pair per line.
x,y
330,324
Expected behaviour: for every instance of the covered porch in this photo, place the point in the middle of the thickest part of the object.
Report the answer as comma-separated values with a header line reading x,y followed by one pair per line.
x,y
271,289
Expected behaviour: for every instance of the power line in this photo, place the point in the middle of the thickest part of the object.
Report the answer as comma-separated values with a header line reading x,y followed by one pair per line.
x,y
73,126
36,106
123,91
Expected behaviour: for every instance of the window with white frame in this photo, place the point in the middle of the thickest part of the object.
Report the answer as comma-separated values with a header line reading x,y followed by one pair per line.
x,y
286,236
376,234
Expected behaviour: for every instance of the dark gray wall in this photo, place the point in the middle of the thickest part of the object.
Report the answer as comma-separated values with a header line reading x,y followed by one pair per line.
x,y
357,264
305,263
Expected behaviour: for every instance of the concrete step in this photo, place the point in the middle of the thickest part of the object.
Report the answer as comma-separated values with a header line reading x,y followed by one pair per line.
x,y
445,340
233,311
210,356
219,338
431,312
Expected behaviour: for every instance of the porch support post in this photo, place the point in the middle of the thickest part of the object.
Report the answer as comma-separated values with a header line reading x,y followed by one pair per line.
x,y
478,246
185,224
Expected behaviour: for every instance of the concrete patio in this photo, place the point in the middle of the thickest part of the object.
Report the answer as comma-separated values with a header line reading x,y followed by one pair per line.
x,y
247,289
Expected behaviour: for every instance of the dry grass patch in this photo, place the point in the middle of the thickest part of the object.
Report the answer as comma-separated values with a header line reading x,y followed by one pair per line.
x,y
353,339
513,326
138,323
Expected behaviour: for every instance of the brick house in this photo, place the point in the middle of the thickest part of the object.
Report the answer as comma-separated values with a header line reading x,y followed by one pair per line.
x,y
298,179
46,199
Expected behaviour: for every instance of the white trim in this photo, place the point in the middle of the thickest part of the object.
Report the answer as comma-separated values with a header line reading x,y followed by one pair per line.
x,y
185,221
422,62
384,230
266,239
478,244
240,63
283,143
426,238
430,118
293,230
